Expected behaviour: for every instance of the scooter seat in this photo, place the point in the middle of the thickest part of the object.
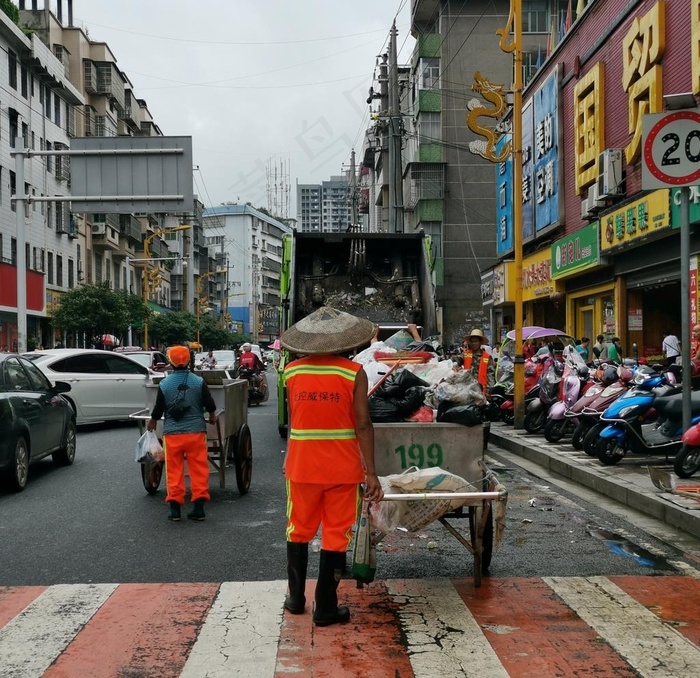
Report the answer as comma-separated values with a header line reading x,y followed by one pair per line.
x,y
672,405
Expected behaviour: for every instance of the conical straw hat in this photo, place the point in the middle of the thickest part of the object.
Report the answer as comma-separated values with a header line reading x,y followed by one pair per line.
x,y
327,331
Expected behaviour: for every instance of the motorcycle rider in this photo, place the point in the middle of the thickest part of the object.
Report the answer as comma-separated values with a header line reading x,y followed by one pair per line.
x,y
250,361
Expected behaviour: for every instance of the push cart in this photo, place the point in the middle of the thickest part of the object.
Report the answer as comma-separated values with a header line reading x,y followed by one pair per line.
x,y
229,442
459,450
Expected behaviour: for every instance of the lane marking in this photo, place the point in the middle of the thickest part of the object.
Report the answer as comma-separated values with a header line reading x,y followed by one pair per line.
x,y
646,643
241,632
443,637
37,636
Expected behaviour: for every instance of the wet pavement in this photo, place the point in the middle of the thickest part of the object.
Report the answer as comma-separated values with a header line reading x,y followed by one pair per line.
x,y
628,482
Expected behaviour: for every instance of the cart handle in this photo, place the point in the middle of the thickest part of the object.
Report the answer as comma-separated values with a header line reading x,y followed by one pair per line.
x,y
498,496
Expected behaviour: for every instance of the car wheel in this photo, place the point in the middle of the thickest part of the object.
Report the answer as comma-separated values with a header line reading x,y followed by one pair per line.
x,y
19,472
66,455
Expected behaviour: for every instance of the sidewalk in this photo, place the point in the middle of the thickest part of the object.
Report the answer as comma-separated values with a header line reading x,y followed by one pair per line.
x,y
627,482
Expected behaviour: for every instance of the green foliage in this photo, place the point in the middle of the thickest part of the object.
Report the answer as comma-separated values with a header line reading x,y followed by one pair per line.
x,y
212,335
10,9
172,328
137,310
93,310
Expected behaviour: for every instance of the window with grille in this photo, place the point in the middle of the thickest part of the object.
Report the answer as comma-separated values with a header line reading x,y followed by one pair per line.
x,y
59,270
12,69
427,183
535,16
429,130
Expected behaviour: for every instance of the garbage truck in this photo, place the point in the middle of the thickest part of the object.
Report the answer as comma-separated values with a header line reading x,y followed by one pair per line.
x,y
383,277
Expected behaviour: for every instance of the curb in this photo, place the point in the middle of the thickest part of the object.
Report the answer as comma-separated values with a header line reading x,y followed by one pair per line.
x,y
605,480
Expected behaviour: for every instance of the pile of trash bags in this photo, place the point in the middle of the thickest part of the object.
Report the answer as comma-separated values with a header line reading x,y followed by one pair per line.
x,y
432,390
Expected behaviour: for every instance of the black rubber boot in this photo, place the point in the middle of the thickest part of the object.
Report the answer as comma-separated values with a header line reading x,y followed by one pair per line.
x,y
174,512
197,513
297,561
330,570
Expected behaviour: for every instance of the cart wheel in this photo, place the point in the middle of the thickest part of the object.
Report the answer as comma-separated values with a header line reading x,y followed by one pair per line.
x,y
486,540
241,447
151,475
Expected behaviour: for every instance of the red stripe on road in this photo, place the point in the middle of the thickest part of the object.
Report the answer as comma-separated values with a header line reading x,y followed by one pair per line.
x,y
369,645
673,599
535,634
141,630
14,600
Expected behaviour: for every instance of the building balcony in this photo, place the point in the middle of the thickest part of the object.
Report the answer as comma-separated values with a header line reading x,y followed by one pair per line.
x,y
104,237
130,227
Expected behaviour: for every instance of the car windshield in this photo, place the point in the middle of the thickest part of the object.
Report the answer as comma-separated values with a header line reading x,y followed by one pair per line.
x,y
142,358
225,356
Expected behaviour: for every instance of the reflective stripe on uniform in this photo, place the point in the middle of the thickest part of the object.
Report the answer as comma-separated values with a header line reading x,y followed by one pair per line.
x,y
322,434
320,370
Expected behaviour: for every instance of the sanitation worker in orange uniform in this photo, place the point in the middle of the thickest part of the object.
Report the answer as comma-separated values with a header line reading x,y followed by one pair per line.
x,y
479,362
183,396
330,452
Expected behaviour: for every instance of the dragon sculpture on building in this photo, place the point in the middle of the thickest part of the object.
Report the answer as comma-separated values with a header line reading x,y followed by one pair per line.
x,y
495,94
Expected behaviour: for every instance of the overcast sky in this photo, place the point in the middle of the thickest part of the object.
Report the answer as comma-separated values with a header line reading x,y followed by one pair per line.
x,y
257,84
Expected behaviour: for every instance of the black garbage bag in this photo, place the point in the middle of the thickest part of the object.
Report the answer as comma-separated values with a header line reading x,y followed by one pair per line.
x,y
398,383
388,410
457,413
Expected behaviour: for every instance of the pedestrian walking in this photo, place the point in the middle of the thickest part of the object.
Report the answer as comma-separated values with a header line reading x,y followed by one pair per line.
x,y
183,396
600,350
583,349
330,452
671,347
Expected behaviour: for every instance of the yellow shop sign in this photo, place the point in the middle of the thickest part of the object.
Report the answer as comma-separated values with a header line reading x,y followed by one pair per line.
x,y
537,276
636,222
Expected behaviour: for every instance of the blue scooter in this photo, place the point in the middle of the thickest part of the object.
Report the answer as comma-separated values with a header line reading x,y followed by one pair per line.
x,y
648,419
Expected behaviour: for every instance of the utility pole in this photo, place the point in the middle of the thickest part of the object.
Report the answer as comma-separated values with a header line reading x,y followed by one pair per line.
x,y
395,164
353,192
383,117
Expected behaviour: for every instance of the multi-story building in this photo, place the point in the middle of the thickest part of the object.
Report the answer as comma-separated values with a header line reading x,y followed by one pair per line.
x,y
324,207
601,251
248,243
110,247
39,102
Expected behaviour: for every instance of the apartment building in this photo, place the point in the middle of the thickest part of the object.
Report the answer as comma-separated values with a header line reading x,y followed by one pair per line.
x,y
324,207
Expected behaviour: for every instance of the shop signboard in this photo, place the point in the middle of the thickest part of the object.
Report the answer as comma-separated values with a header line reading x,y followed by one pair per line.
x,y
487,288
503,283
693,206
504,200
693,290
528,215
576,252
636,222
545,149
537,277
53,300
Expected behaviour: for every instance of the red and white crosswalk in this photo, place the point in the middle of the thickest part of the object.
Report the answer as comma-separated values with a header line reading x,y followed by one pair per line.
x,y
555,626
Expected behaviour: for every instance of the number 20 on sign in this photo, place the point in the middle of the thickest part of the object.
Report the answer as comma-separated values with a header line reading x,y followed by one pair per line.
x,y
671,149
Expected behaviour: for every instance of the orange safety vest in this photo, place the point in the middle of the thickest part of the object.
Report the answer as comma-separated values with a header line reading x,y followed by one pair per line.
x,y
483,376
322,446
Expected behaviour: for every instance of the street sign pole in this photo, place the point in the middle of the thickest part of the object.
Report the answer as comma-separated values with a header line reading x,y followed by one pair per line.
x,y
671,158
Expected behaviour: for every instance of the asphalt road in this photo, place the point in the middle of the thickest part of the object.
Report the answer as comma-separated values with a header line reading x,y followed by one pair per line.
x,y
94,522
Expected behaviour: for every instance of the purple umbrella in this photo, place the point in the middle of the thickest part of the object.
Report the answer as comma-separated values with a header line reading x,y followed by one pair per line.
x,y
535,332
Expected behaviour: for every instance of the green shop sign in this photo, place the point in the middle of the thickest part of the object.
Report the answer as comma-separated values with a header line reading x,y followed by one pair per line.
x,y
576,251
676,206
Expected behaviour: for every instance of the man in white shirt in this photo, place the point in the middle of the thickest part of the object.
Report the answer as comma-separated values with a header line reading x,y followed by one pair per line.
x,y
671,347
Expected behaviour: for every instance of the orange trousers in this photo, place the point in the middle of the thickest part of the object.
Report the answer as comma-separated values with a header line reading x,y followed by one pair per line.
x,y
334,507
176,446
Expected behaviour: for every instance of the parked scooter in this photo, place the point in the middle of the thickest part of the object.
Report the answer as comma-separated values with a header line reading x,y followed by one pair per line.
x,y
533,369
537,409
574,382
645,420
687,461
502,389
609,382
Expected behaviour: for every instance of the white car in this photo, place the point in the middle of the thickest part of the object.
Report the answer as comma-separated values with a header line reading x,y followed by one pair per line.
x,y
105,386
225,360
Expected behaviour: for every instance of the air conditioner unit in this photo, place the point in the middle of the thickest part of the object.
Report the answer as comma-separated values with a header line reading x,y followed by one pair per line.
x,y
594,201
584,208
609,173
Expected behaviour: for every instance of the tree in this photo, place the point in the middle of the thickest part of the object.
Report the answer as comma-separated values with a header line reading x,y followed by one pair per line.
x,y
93,310
172,328
137,310
212,335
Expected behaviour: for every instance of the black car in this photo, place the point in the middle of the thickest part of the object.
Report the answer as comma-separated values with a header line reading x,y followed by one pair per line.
x,y
35,420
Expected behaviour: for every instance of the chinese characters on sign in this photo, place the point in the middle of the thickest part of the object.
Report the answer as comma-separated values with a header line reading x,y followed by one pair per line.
x,y
317,396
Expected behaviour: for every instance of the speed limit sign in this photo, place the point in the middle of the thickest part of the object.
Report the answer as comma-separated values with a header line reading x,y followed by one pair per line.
x,y
671,149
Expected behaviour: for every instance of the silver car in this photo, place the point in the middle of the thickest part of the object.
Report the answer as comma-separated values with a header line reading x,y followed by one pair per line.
x,y
105,386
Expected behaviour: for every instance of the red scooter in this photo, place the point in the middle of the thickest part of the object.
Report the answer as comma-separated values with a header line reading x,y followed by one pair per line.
x,y
687,460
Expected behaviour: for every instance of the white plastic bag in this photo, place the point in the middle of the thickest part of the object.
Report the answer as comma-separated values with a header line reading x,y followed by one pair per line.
x,y
148,448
